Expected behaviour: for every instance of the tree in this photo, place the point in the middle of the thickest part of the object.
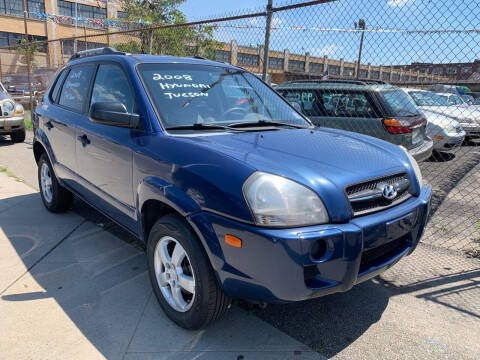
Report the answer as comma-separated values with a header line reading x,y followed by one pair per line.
x,y
28,52
177,40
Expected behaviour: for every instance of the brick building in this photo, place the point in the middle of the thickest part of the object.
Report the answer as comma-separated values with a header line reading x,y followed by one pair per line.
x,y
51,55
452,71
284,66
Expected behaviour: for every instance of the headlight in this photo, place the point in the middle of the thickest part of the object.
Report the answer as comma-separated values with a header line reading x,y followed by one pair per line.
x,y
18,109
451,130
8,106
277,201
415,167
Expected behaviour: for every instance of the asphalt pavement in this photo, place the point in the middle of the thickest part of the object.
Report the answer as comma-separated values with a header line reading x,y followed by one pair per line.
x,y
75,285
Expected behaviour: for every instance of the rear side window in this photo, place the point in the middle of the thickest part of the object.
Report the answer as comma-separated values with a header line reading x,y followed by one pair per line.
x,y
75,88
399,103
111,85
347,104
307,99
58,84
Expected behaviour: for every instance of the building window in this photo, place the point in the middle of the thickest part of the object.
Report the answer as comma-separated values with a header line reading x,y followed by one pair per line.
x,y
467,70
121,15
348,71
295,65
12,39
405,77
423,71
375,75
316,67
15,7
396,77
222,56
275,63
363,73
333,69
451,70
248,59
67,8
414,78
437,71
385,76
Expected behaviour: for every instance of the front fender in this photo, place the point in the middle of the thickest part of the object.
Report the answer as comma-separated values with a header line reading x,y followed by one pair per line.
x,y
153,188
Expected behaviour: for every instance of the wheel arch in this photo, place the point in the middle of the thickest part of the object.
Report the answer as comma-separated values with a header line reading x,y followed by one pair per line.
x,y
156,198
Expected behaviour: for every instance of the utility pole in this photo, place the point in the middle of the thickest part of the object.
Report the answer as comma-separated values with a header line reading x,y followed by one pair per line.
x,y
266,48
361,26
76,27
27,53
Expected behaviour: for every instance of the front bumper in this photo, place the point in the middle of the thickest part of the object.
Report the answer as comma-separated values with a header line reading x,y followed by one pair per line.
x,y
423,151
9,124
472,130
276,265
449,141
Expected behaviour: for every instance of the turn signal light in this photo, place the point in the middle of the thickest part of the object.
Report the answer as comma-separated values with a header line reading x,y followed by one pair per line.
x,y
18,112
233,241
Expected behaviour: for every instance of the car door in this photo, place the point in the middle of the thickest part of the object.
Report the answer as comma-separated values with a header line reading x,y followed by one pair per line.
x,y
352,111
104,154
58,119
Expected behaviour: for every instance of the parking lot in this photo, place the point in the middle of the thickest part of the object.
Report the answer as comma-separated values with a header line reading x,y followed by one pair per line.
x,y
81,280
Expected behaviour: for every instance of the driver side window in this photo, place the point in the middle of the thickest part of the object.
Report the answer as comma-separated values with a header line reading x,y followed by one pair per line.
x,y
111,85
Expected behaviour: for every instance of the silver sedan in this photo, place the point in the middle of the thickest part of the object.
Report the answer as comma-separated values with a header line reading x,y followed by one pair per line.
x,y
12,117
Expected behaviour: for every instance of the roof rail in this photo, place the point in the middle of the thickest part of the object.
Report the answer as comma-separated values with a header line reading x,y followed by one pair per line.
x,y
97,51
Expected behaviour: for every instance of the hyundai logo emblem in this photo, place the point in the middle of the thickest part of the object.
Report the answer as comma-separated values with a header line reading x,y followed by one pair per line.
x,y
389,192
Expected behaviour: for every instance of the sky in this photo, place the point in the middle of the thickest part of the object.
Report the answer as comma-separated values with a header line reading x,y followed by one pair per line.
x,y
298,30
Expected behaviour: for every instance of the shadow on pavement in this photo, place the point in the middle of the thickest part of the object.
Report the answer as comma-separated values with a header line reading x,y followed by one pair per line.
x,y
87,281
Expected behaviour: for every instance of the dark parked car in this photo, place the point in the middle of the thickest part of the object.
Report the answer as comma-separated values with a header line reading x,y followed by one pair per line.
x,y
371,108
233,197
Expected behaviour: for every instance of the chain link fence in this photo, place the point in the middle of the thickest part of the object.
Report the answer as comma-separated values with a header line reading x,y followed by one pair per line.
x,y
400,70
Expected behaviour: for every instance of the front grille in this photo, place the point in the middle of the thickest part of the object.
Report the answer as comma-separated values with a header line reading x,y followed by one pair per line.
x,y
368,196
383,253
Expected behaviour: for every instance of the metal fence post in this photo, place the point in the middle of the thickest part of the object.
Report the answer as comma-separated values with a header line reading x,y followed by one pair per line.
x,y
27,53
150,41
266,48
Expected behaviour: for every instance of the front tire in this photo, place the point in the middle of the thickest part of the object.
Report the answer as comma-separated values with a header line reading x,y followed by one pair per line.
x,y
18,136
54,196
181,275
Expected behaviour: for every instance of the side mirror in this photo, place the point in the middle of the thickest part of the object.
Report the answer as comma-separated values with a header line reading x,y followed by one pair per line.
x,y
114,114
296,106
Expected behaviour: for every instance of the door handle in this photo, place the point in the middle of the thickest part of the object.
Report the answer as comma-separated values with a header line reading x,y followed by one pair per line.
x,y
84,139
49,125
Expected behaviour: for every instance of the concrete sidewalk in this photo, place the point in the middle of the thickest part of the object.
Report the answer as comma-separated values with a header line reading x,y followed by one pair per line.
x,y
69,289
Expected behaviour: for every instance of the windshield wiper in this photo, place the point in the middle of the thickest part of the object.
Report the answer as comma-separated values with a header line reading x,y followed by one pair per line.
x,y
265,123
199,126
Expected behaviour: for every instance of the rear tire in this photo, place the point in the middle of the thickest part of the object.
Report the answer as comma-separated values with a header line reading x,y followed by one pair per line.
x,y
18,136
194,310
54,196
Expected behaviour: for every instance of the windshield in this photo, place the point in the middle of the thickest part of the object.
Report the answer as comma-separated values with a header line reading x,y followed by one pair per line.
x,y
186,94
400,103
468,99
425,98
455,100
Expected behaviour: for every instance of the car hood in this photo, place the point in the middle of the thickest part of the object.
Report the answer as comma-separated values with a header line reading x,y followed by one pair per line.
x,y
4,96
318,158
458,113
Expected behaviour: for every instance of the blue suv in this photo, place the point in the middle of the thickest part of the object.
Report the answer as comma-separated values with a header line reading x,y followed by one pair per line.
x,y
235,193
